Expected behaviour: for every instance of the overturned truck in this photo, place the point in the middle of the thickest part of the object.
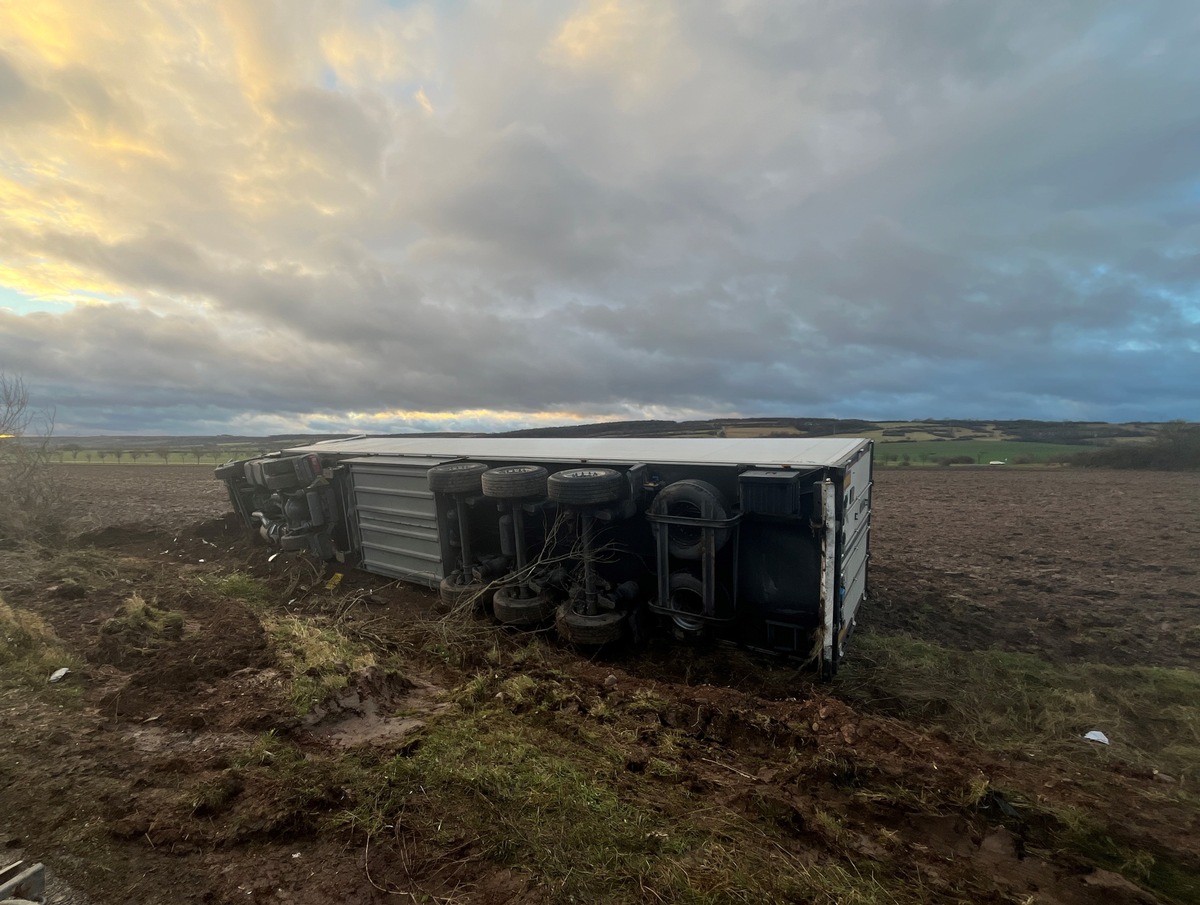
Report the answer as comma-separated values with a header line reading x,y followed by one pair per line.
x,y
762,543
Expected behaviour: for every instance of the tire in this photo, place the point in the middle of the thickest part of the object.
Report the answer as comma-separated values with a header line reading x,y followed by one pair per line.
x,y
585,486
589,631
515,482
456,477
687,499
454,595
513,610
688,590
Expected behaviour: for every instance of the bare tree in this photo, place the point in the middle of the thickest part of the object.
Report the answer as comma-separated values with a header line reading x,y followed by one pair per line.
x,y
28,494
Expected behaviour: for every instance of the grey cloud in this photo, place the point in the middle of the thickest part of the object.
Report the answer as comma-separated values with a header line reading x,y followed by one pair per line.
x,y
850,209
342,130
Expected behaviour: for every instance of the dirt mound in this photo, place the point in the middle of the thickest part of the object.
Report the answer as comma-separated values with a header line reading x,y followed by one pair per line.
x,y
209,676
377,707
135,536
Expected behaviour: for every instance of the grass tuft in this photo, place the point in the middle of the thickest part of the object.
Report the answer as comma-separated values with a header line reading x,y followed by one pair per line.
x,y
246,588
319,658
30,652
146,622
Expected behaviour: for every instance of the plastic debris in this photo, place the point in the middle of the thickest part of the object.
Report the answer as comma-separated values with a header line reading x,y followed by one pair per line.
x,y
1096,736
59,674
334,581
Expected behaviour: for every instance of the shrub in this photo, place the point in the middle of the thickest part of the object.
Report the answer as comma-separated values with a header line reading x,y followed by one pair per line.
x,y
29,497
956,460
1175,447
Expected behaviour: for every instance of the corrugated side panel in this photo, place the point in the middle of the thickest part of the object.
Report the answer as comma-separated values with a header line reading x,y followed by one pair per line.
x,y
397,522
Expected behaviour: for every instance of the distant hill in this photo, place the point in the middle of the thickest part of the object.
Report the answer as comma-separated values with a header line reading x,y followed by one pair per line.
x,y
925,442
717,427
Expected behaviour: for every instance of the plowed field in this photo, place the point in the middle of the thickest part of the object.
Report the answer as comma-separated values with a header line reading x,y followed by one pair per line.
x,y
237,728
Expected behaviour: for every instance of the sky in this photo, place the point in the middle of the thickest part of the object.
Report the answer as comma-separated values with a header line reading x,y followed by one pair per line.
x,y
259,217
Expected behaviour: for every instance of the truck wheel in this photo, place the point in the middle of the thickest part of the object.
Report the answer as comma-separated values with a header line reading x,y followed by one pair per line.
x,y
456,477
585,486
589,631
513,610
454,595
515,482
687,601
687,499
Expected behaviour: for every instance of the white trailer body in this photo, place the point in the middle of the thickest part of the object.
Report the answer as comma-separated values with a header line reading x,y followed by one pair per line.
x,y
763,543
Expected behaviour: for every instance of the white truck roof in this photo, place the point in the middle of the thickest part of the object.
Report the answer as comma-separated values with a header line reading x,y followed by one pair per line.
x,y
763,452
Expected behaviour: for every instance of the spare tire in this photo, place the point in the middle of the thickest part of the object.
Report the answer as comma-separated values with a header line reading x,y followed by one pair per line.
x,y
688,499
687,607
515,482
585,486
456,477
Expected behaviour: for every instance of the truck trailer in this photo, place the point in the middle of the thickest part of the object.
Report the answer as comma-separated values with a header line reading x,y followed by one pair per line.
x,y
759,543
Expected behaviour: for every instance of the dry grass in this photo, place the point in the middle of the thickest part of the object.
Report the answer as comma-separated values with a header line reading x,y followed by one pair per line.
x,y
30,651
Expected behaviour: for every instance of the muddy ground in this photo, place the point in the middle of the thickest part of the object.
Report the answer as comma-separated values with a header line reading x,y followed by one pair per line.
x,y
176,766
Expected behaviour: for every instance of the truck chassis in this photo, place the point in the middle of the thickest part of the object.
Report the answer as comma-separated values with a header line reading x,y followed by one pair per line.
x,y
760,543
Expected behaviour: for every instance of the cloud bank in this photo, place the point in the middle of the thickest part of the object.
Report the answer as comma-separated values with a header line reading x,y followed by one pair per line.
x,y
251,217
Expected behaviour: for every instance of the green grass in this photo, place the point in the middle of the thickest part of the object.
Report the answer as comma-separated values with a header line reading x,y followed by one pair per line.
x,y
318,657
246,588
927,452
1021,703
1027,707
314,650
549,802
